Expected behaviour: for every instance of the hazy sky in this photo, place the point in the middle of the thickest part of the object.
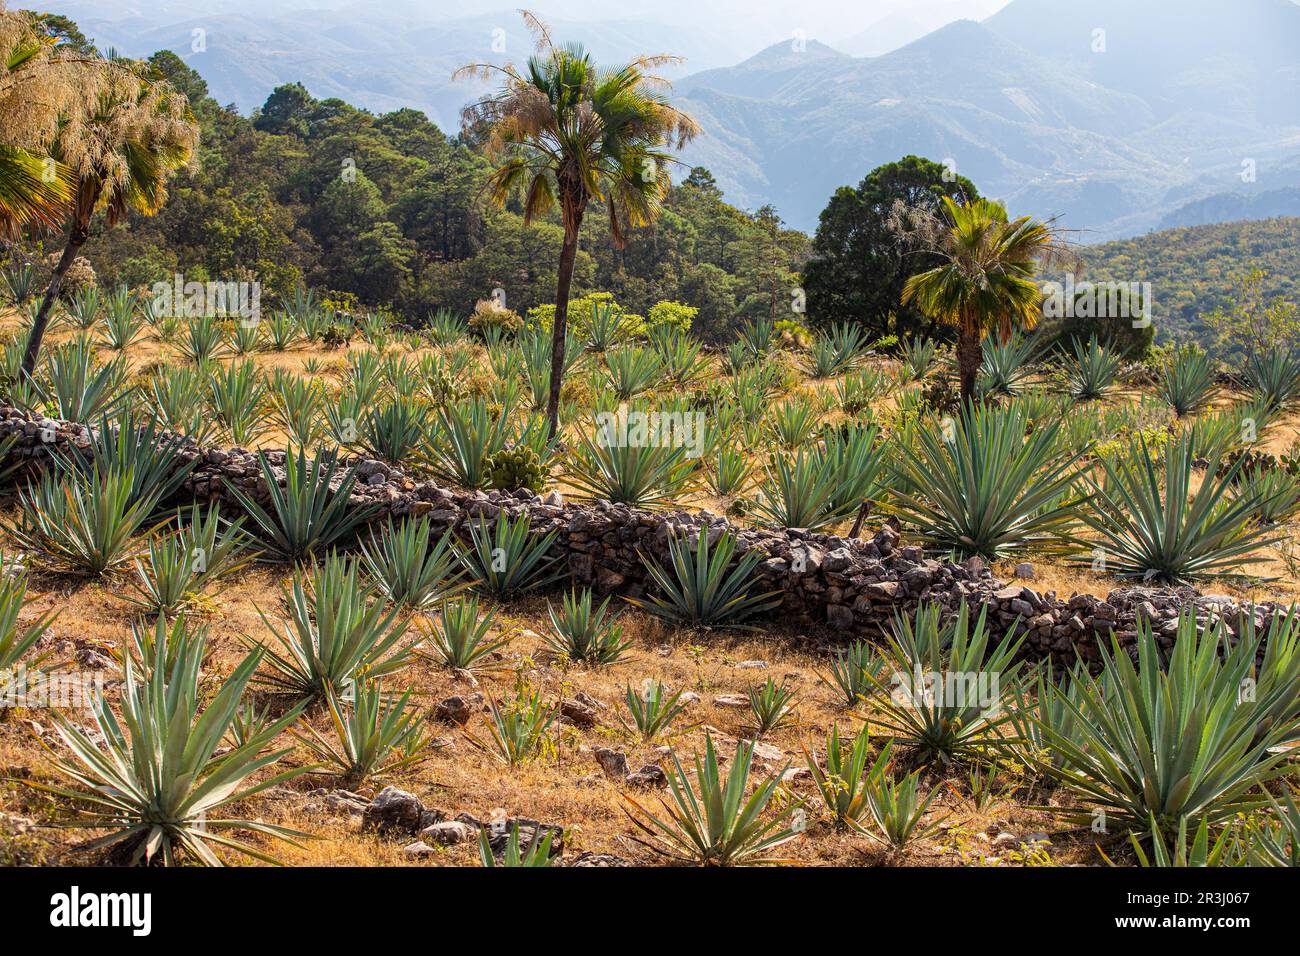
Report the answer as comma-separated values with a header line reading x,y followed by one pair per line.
x,y
737,24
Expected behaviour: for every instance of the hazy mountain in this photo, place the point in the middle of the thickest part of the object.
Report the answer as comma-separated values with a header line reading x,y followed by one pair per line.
x,y
911,22
1227,207
1231,58
1176,103
1109,141
371,54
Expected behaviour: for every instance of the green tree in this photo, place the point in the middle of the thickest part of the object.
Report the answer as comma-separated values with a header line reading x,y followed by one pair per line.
x,y
861,258
567,133
287,110
985,281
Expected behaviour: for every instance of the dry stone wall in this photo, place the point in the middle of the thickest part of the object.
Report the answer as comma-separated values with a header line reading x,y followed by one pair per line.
x,y
849,586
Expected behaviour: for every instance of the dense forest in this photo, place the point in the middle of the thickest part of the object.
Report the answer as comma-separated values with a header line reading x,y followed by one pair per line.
x,y
389,212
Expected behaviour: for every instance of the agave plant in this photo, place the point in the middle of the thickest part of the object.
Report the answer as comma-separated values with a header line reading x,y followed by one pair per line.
x,y
446,327
83,307
1152,526
607,327
700,587
1187,384
581,633
468,435
736,358
758,337
281,332
535,855
1275,841
951,687
296,404
771,707
135,443
1273,376
122,323
1157,743
1222,433
856,673
855,393
836,351
374,735
161,646
518,729
897,809
857,461
178,398
411,569
78,389
247,337
632,371
798,492
17,640
1050,706
711,822
680,356
335,633
1092,372
644,474
1275,492
18,283
1200,852
728,472
919,355
460,637
156,781
535,347
396,432
981,486
305,517
845,783
237,398
793,422
177,568
653,711
82,523
203,341
1008,366
507,559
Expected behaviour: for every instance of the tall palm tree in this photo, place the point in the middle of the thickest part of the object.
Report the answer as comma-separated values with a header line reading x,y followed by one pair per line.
x,y
133,135
986,280
568,133
41,87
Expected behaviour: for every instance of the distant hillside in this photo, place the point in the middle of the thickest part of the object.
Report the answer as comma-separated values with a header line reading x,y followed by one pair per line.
x,y
1109,133
1191,270
790,128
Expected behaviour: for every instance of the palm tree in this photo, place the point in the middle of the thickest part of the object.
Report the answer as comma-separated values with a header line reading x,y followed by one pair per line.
x,y
986,280
566,132
41,86
134,133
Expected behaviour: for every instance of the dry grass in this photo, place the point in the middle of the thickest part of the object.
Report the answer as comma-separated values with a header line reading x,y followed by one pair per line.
x,y
565,786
